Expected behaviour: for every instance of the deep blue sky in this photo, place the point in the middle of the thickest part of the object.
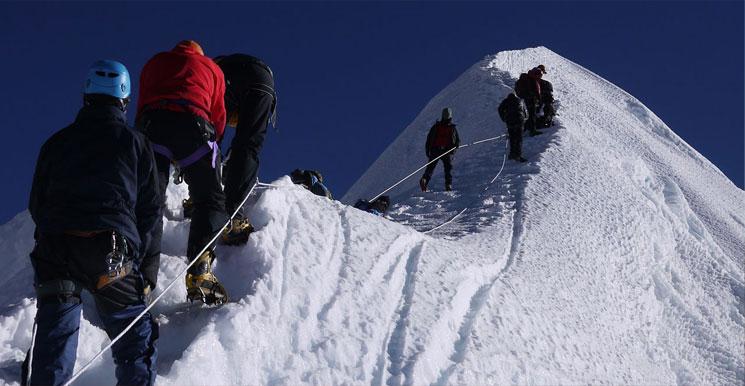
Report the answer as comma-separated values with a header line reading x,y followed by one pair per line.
x,y
351,76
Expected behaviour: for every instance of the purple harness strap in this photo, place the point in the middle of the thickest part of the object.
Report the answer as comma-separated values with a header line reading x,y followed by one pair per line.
x,y
210,146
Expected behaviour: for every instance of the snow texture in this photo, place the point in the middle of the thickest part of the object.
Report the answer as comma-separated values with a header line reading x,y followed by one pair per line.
x,y
614,256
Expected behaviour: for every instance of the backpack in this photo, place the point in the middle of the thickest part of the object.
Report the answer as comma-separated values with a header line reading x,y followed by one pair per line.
x,y
547,91
522,86
527,87
512,111
443,136
305,177
377,207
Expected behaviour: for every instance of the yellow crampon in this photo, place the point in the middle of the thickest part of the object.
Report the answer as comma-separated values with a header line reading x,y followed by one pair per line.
x,y
202,285
237,233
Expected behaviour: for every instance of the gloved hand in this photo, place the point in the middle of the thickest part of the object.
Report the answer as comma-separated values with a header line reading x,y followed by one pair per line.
x,y
147,292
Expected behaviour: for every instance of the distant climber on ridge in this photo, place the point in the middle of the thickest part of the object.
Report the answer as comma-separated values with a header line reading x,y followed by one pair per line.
x,y
513,112
251,102
442,137
377,206
311,180
528,89
546,102
95,203
181,108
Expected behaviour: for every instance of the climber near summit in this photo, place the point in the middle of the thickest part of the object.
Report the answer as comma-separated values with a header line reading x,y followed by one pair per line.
x,y
528,88
442,138
513,112
546,102
181,109
95,202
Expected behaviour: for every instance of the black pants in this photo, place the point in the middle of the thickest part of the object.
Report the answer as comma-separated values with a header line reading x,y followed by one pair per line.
x,y
530,124
255,93
82,260
548,113
447,162
515,134
182,134
242,165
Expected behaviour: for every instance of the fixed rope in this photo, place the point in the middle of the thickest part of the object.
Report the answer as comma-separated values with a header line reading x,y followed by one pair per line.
x,y
217,234
450,220
150,306
435,160
263,185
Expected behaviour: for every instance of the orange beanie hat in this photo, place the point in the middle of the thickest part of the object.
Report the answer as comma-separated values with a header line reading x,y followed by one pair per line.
x,y
190,44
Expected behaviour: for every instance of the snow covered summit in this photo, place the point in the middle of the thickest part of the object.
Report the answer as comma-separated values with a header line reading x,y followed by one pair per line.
x,y
613,256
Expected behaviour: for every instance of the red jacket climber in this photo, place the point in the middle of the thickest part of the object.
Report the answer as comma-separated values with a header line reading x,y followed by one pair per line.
x,y
183,79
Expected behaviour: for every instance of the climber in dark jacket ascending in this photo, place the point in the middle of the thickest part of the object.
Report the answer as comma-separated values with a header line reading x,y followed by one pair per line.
x,y
513,112
442,137
528,88
250,102
95,201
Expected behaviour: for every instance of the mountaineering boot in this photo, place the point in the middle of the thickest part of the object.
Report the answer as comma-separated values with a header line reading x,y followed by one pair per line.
x,y
423,184
202,285
448,187
188,205
517,158
237,233
533,133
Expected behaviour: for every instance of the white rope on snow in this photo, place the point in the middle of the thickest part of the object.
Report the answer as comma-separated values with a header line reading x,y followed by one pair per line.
x,y
450,220
434,160
131,324
264,185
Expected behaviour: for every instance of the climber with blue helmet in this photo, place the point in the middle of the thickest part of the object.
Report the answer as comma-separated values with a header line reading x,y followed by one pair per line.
x,y
108,78
95,202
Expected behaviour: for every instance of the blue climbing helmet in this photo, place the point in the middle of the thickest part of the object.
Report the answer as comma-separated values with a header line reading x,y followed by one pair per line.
x,y
108,77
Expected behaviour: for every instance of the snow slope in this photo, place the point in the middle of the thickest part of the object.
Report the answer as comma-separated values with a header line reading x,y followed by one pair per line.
x,y
613,256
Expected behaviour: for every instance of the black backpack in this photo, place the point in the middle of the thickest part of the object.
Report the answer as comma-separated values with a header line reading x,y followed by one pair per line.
x,y
512,111
305,177
523,87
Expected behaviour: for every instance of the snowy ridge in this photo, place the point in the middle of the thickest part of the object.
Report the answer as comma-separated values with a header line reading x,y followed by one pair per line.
x,y
613,256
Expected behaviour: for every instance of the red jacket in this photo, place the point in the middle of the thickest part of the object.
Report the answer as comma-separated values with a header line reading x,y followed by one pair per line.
x,y
186,76
536,75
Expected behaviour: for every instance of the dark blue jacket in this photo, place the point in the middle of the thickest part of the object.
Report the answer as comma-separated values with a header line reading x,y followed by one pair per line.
x,y
319,189
99,174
